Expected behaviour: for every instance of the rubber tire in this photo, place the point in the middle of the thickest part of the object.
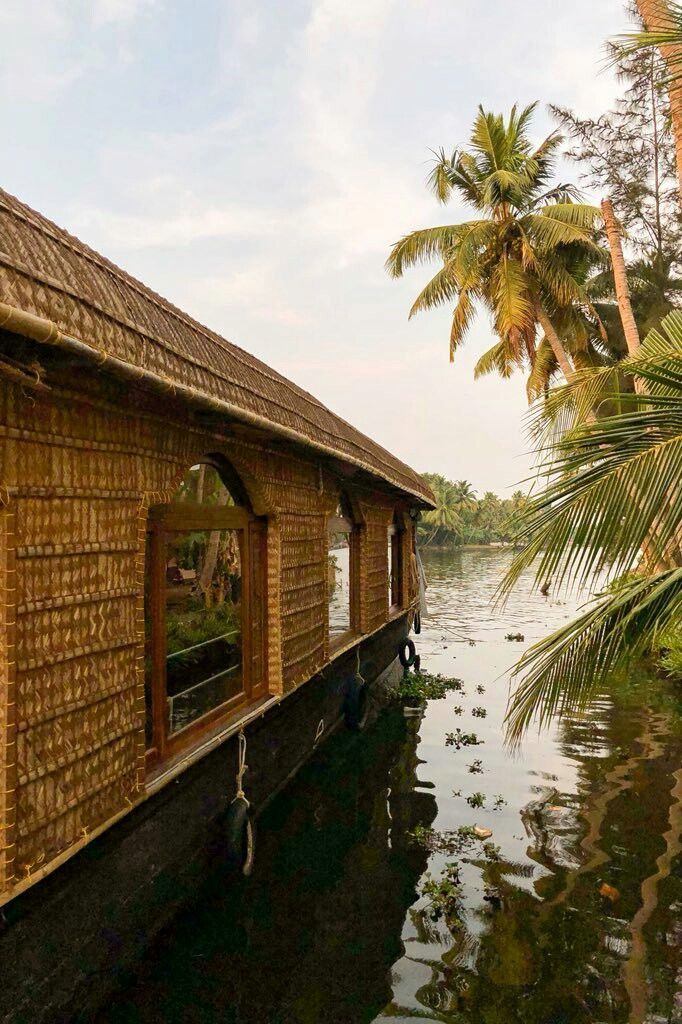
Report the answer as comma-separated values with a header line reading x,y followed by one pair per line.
x,y
407,660
417,624
356,704
240,837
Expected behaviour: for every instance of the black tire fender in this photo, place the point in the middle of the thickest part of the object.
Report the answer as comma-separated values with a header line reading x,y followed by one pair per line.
x,y
417,624
407,653
240,836
356,704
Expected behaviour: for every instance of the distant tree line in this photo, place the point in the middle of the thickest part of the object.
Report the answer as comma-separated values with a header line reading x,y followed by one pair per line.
x,y
461,517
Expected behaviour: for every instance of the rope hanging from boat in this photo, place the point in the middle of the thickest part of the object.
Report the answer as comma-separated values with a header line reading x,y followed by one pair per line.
x,y
242,768
421,578
358,673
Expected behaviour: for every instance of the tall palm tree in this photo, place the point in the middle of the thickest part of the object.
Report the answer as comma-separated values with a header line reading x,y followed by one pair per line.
x,y
613,487
465,496
516,258
445,517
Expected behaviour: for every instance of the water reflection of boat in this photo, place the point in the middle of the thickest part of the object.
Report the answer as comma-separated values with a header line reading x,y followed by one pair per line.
x,y
322,915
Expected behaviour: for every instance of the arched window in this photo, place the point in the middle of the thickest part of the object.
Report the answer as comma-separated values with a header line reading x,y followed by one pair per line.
x,y
395,565
204,608
342,567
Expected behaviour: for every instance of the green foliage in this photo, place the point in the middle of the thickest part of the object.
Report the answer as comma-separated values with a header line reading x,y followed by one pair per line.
x,y
459,739
415,688
462,518
670,650
517,258
668,33
454,843
628,154
445,895
613,491
476,800
197,624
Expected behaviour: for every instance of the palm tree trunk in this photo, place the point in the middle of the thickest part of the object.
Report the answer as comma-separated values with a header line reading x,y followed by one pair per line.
x,y
656,16
560,353
620,277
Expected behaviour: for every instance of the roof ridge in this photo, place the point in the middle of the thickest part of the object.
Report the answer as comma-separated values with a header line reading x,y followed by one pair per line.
x,y
64,237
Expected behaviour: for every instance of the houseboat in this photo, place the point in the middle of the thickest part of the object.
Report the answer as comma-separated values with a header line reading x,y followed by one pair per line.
x,y
203,572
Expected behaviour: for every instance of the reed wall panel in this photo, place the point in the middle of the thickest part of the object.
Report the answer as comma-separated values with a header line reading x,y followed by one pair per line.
x,y
78,473
304,571
375,563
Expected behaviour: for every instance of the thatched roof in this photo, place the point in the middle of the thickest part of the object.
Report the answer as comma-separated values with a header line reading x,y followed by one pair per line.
x,y
97,309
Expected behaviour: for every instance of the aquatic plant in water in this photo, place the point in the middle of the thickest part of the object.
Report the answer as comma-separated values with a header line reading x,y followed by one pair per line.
x,y
444,895
415,688
458,739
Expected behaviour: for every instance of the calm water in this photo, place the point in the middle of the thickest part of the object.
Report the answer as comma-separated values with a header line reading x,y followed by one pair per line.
x,y
332,928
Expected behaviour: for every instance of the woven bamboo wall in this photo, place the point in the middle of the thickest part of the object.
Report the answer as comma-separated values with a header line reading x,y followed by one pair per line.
x,y
374,561
78,474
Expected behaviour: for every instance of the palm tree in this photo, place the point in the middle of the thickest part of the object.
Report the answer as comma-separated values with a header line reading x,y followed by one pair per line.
x,y
516,258
445,517
613,488
465,496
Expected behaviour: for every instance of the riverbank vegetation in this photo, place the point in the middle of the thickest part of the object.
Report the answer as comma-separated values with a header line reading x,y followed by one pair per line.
x,y
583,299
461,517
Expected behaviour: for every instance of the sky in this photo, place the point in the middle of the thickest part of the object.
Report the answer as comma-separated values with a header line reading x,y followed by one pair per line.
x,y
254,160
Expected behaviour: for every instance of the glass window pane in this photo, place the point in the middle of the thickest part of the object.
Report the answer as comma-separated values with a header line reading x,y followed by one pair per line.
x,y
203,622
339,584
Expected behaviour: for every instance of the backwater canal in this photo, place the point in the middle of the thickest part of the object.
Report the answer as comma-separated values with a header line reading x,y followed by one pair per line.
x,y
575,917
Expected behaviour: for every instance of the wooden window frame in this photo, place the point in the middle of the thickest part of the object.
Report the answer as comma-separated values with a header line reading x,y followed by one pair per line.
x,y
396,601
348,526
186,517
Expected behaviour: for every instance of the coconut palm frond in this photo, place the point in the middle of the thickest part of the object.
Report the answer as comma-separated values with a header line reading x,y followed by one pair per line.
x,y
422,246
566,670
544,368
439,179
497,359
614,488
514,307
614,483
441,288
665,35
566,406
462,318
613,491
